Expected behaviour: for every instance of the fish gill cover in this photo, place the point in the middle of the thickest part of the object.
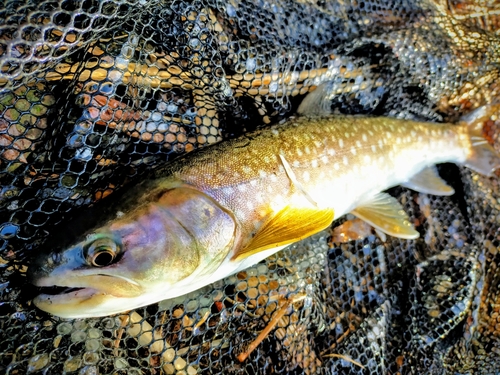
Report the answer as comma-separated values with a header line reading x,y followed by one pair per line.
x,y
93,94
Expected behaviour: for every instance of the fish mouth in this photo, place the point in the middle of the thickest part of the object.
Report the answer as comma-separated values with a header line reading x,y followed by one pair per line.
x,y
51,295
56,290
81,296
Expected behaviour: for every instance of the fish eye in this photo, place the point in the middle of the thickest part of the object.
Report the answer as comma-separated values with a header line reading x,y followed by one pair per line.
x,y
102,252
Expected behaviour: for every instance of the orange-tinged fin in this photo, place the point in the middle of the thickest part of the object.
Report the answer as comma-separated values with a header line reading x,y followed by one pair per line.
x,y
483,158
428,181
386,214
288,226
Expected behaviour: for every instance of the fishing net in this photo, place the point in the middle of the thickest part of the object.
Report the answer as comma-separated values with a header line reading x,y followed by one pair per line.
x,y
95,93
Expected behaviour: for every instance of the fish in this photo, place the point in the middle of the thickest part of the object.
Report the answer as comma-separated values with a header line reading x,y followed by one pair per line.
x,y
223,208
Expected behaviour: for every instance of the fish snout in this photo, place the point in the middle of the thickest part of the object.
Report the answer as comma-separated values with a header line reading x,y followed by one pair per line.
x,y
55,263
42,267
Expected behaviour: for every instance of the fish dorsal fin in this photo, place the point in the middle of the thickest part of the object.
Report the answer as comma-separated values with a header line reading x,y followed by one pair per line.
x,y
428,181
317,102
386,214
289,225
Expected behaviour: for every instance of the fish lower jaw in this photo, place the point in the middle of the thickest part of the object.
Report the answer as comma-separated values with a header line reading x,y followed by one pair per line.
x,y
57,299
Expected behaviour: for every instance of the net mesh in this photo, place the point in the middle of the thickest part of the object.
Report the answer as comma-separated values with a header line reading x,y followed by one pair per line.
x,y
93,94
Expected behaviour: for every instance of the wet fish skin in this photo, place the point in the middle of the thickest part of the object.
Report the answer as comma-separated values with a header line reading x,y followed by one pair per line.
x,y
226,207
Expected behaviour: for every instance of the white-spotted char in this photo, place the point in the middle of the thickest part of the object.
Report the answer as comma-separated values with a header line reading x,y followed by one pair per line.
x,y
217,211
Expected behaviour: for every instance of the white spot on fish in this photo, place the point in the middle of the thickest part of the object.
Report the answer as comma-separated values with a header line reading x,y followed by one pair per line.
x,y
367,159
358,143
306,176
336,166
341,143
296,163
364,137
308,150
314,163
353,150
120,214
318,144
331,152
262,174
299,152
242,188
253,183
266,159
345,160
247,169
374,148
275,132
249,204
324,159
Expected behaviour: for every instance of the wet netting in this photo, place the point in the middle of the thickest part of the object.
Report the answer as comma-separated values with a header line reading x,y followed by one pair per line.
x,y
94,93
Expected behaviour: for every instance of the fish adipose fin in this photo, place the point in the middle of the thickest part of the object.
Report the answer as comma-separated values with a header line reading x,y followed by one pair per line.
x,y
482,158
386,214
287,226
428,181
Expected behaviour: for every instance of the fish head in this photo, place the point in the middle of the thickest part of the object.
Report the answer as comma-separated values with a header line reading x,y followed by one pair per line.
x,y
150,253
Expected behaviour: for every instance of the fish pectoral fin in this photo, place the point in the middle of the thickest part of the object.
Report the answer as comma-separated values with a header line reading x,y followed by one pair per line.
x,y
386,214
287,226
428,181
293,180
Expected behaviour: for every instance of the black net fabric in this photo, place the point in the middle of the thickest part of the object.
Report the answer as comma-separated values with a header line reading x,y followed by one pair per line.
x,y
93,94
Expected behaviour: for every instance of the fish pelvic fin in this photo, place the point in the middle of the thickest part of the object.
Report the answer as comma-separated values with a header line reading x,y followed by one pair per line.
x,y
483,158
386,214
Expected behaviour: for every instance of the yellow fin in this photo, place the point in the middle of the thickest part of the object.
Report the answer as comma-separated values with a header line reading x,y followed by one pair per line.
x,y
386,214
428,181
287,226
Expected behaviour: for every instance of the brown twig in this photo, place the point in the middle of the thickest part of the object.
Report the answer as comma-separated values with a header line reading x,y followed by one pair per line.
x,y
265,332
345,358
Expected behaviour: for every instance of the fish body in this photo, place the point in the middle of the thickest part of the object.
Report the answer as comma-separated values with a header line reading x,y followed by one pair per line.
x,y
222,209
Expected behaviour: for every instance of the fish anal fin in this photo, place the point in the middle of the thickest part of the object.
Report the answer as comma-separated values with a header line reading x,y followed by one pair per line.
x,y
386,214
286,227
428,181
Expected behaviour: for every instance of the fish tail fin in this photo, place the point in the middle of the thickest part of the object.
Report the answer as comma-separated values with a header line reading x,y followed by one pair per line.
x,y
483,158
